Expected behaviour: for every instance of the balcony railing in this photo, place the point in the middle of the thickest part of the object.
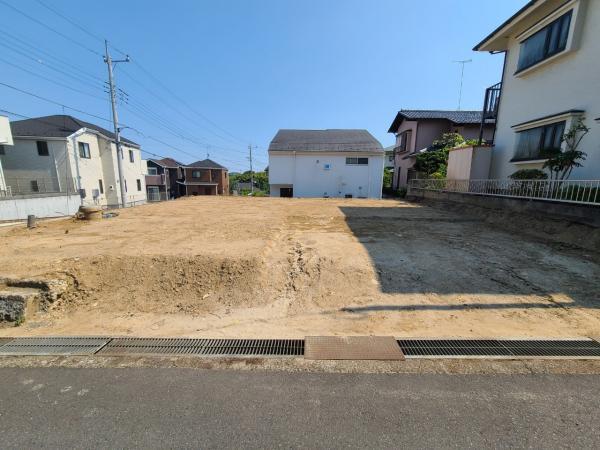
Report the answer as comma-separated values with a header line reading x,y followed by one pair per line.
x,y
155,180
568,191
29,186
491,103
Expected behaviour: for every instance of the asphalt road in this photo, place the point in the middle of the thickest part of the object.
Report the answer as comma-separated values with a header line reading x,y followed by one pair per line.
x,y
183,408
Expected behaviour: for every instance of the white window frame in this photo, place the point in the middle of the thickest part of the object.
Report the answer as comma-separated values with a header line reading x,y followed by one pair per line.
x,y
568,118
572,40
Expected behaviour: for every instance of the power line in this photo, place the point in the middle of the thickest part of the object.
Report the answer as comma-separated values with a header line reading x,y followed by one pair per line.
x,y
50,80
36,48
185,103
162,100
64,17
33,19
75,24
74,77
52,101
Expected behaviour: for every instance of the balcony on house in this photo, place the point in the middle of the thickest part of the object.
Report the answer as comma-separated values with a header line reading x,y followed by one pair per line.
x,y
490,107
155,180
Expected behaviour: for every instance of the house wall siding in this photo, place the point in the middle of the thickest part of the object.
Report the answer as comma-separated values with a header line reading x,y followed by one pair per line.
x,y
572,81
306,173
23,162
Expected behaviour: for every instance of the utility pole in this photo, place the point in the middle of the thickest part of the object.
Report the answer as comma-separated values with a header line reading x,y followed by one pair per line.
x,y
251,171
462,74
113,101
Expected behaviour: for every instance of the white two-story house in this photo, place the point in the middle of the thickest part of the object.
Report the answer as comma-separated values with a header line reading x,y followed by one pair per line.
x,y
325,163
62,154
551,77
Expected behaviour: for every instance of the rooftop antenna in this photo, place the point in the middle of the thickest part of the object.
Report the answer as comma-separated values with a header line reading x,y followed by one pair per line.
x,y
462,74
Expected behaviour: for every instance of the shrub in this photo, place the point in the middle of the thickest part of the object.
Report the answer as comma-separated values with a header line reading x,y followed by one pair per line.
x,y
529,174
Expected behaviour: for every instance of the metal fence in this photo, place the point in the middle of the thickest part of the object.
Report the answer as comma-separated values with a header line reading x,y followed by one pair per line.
x,y
28,186
568,191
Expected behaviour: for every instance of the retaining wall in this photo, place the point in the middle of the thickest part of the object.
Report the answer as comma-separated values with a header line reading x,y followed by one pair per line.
x,y
568,223
40,205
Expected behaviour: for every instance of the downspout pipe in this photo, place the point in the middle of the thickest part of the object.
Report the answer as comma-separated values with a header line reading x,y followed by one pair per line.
x,y
73,138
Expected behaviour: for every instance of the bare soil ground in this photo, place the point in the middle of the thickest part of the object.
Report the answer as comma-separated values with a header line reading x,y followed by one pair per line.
x,y
262,267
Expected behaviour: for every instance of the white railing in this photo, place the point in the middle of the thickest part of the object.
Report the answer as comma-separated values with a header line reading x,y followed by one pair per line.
x,y
6,192
28,186
569,191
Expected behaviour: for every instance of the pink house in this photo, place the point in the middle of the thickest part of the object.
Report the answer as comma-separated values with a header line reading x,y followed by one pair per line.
x,y
416,130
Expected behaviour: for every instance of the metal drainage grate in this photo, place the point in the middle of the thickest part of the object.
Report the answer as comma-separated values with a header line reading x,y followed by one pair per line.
x,y
490,348
204,347
53,346
4,340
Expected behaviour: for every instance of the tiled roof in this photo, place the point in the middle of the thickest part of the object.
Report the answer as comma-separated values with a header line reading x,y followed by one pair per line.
x,y
206,164
457,117
325,141
59,126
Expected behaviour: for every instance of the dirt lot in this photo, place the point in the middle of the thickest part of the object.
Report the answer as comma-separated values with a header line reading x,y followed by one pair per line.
x,y
261,267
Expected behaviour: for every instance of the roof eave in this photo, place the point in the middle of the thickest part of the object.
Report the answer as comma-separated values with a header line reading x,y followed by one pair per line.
x,y
497,41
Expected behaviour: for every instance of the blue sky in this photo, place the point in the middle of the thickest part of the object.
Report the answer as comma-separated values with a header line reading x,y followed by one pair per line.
x,y
212,77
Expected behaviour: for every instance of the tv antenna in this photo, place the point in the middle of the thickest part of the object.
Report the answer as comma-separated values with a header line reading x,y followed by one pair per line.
x,y
462,75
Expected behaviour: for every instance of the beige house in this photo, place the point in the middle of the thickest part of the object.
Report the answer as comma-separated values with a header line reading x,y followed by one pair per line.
x,y
416,130
551,77
62,154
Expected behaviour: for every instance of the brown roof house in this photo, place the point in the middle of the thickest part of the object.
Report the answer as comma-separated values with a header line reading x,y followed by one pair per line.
x,y
204,177
416,130
161,180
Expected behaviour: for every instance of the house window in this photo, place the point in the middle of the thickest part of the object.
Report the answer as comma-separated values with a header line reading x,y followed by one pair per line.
x,y
549,41
196,173
2,151
34,186
131,156
84,150
42,148
125,181
139,184
537,143
152,171
101,186
357,161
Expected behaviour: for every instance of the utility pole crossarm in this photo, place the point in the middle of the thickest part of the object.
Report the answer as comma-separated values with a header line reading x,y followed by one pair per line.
x,y
113,102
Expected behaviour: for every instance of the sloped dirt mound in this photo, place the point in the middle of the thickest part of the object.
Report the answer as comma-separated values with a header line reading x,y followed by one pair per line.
x,y
164,284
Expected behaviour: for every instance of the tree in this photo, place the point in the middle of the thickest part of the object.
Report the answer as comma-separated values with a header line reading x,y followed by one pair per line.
x,y
387,177
433,162
561,163
528,174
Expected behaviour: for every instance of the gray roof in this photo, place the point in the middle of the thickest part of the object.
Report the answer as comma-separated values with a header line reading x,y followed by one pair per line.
x,y
457,117
206,164
59,126
325,141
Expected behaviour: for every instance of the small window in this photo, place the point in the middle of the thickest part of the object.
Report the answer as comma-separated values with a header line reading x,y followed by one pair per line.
x,y
357,161
539,142
125,185
547,42
2,151
84,150
101,186
42,148
131,156
139,184
152,171
196,174
34,186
